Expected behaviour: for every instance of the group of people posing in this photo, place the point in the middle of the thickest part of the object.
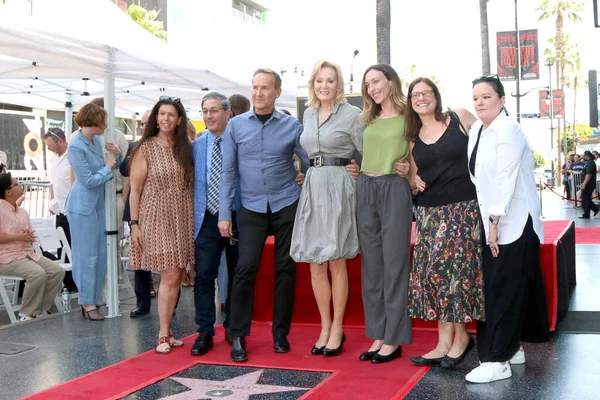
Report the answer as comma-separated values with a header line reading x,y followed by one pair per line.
x,y
476,249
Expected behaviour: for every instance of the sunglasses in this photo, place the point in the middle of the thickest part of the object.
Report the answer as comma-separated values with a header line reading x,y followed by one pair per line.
x,y
171,99
53,134
487,78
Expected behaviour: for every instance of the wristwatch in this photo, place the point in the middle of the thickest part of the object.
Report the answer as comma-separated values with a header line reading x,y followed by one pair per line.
x,y
133,222
494,221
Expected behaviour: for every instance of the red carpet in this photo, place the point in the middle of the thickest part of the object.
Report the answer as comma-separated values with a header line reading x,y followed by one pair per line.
x,y
587,235
350,379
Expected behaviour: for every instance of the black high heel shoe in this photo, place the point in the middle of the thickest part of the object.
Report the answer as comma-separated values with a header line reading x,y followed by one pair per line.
x,y
317,350
335,352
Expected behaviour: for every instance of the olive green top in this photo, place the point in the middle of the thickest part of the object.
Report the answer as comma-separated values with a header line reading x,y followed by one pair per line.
x,y
384,143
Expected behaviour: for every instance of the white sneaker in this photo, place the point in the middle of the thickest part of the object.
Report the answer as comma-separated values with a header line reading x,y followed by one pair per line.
x,y
489,372
24,317
518,358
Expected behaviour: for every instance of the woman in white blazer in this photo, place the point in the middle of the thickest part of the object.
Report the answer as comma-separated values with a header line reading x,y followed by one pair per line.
x,y
501,167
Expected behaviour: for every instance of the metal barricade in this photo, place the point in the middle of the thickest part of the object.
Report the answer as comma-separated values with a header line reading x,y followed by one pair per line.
x,y
37,198
575,185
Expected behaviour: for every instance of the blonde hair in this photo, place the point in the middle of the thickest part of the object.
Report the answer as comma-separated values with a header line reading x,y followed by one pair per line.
x,y
313,101
371,109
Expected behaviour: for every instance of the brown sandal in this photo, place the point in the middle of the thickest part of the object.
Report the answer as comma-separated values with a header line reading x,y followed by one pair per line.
x,y
92,315
163,346
173,341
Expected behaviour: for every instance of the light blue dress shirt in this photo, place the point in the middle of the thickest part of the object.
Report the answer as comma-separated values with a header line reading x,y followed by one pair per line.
x,y
260,157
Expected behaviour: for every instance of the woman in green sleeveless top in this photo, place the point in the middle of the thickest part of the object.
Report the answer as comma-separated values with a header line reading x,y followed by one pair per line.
x,y
384,215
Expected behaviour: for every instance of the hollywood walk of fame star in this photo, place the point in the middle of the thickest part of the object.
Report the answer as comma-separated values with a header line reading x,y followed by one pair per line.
x,y
239,388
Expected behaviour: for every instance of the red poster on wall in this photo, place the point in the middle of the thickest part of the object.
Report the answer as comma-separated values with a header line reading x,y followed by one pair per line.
x,y
558,97
507,50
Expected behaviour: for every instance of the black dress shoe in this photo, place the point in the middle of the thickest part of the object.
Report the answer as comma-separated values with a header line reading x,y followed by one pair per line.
x,y
426,361
317,350
238,350
138,312
280,343
584,217
449,362
380,359
335,352
596,212
367,355
228,338
203,343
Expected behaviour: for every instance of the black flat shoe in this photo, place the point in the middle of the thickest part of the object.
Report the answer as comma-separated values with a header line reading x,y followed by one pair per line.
x,y
317,350
449,362
380,359
238,350
280,343
426,361
335,352
367,355
203,343
138,312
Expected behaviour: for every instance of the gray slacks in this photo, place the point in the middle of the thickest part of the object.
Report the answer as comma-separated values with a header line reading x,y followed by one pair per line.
x,y
384,222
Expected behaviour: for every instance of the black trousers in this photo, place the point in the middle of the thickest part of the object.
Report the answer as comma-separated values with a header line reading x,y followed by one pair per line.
x,y
209,245
586,199
61,220
253,233
142,288
515,298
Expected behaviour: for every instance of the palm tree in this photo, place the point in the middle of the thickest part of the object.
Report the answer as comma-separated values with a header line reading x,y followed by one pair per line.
x,y
485,37
383,17
574,79
560,8
147,20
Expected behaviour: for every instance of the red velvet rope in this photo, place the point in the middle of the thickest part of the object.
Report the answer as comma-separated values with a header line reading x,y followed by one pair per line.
x,y
566,198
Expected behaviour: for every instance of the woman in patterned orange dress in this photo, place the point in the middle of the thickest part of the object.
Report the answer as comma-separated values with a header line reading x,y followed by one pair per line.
x,y
161,204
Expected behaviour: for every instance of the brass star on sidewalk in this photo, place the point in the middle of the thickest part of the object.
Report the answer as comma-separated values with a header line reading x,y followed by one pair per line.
x,y
239,388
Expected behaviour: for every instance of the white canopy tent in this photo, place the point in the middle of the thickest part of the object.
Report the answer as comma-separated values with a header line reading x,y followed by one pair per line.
x,y
71,51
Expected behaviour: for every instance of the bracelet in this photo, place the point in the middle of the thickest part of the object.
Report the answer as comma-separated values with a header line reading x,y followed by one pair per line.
x,y
134,222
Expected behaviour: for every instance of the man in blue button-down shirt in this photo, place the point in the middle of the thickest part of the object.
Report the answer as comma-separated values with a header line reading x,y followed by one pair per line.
x,y
258,150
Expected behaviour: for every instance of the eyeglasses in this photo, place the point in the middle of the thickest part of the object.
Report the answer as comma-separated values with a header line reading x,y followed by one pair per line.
x,y
211,110
171,99
232,241
426,94
16,184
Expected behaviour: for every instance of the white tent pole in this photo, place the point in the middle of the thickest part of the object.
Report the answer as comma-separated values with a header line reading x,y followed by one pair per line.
x,y
111,197
68,115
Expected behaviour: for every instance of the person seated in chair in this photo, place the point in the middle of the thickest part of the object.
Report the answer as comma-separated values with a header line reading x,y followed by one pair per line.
x,y
17,257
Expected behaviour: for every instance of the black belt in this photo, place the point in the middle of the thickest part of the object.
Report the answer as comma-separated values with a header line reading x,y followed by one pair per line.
x,y
119,192
329,162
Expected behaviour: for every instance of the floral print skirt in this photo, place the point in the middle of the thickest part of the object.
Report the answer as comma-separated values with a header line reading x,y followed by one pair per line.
x,y
446,278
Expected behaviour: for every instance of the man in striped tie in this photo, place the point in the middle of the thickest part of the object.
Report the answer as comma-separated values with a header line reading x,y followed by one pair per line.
x,y
207,153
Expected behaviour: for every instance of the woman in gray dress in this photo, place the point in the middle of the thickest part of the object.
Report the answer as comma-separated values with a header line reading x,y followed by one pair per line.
x,y
325,226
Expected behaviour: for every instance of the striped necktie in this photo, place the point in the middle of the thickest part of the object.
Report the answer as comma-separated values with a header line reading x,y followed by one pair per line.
x,y
215,177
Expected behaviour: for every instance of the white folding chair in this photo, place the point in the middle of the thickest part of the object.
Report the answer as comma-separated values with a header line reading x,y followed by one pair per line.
x,y
52,239
12,284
